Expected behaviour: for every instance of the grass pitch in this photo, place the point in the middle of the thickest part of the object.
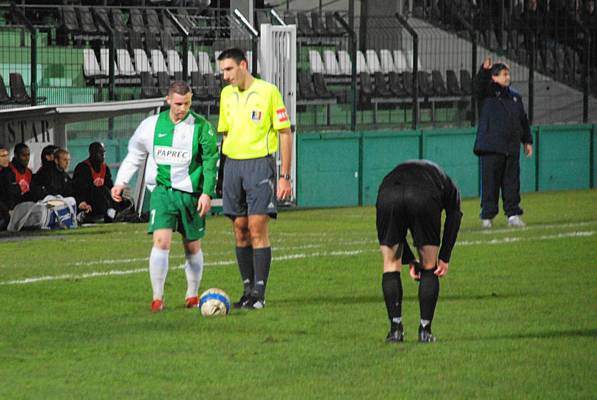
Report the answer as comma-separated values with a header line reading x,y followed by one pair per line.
x,y
516,318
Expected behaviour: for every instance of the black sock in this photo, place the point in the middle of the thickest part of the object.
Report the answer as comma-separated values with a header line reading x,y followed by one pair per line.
x,y
428,293
262,259
392,294
244,257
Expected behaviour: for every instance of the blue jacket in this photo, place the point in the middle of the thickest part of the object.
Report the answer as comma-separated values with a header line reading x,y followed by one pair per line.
x,y
503,123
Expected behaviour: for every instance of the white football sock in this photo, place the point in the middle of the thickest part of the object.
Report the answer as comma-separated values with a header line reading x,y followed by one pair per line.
x,y
158,269
193,268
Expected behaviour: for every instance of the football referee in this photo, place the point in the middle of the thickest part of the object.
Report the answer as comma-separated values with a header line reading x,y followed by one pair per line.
x,y
412,197
252,114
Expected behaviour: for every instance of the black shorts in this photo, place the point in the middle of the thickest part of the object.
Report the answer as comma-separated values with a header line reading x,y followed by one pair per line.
x,y
401,208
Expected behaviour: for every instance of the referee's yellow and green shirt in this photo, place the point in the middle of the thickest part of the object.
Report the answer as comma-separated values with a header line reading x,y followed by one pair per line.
x,y
252,119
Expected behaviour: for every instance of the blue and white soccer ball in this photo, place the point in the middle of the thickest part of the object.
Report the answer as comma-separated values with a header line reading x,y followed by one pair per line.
x,y
214,302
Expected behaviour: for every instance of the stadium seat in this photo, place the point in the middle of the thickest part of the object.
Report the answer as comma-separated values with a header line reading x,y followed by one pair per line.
x,y
105,62
332,26
400,62
153,21
158,62
204,63
381,87
315,62
407,81
135,41
396,85
70,22
306,88
331,63
101,14
118,21
163,83
345,63
373,61
437,81
199,86
304,26
213,86
167,41
409,59
17,89
453,87
317,24
361,63
141,61
168,24
174,63
321,89
4,97
88,26
91,67
425,84
151,42
290,19
148,87
125,64
466,82
135,22
365,88
387,62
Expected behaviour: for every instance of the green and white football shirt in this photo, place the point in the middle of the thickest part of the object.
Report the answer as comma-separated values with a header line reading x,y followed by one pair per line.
x,y
182,156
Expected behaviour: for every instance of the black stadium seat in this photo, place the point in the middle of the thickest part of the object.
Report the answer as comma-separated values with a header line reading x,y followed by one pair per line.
x,y
407,80
17,88
153,21
317,24
69,20
213,86
163,83
306,88
365,87
304,26
167,41
148,88
425,85
199,87
332,26
118,21
439,87
101,14
466,82
136,23
381,88
168,24
88,25
452,83
4,97
396,84
321,88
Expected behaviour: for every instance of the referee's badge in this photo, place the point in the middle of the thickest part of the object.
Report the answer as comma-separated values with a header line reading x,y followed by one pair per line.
x,y
256,116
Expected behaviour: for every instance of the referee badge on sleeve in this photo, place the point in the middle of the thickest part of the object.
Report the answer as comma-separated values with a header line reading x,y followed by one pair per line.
x,y
256,116
282,116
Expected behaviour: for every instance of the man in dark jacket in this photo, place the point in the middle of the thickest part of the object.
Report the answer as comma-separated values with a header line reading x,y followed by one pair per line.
x,y
412,197
9,190
93,182
503,126
21,174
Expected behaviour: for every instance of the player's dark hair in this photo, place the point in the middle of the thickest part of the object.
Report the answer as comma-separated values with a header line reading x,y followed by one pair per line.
x,y
179,87
3,147
49,149
19,148
498,67
234,53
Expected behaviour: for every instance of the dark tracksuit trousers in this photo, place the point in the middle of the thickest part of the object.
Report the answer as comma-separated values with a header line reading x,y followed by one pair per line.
x,y
500,172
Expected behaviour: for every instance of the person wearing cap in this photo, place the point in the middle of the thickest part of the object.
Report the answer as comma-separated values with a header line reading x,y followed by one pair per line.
x,y
503,126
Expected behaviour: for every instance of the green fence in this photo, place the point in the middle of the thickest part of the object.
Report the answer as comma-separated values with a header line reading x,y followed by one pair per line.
x,y
346,168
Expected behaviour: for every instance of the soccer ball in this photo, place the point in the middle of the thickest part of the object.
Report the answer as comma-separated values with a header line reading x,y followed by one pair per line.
x,y
214,302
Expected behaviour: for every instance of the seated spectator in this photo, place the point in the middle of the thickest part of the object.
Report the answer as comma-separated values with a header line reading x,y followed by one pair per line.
x,y
21,174
8,190
93,182
41,177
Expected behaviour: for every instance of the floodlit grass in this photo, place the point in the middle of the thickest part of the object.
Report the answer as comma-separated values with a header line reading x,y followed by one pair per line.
x,y
517,315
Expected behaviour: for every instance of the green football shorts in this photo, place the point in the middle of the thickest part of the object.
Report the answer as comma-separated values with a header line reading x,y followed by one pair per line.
x,y
176,210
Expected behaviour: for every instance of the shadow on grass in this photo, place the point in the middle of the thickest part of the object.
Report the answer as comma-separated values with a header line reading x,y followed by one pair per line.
x,y
368,299
568,333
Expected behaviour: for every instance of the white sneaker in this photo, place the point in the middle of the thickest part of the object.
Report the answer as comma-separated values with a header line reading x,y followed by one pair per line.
x,y
486,223
516,221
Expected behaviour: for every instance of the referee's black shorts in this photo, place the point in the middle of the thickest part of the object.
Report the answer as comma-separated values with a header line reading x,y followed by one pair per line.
x,y
403,207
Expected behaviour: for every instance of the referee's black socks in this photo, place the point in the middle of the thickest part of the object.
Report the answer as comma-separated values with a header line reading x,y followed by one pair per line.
x,y
428,294
262,260
244,257
392,294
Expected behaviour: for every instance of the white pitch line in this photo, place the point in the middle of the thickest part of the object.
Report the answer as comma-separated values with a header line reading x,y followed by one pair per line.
x,y
337,253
